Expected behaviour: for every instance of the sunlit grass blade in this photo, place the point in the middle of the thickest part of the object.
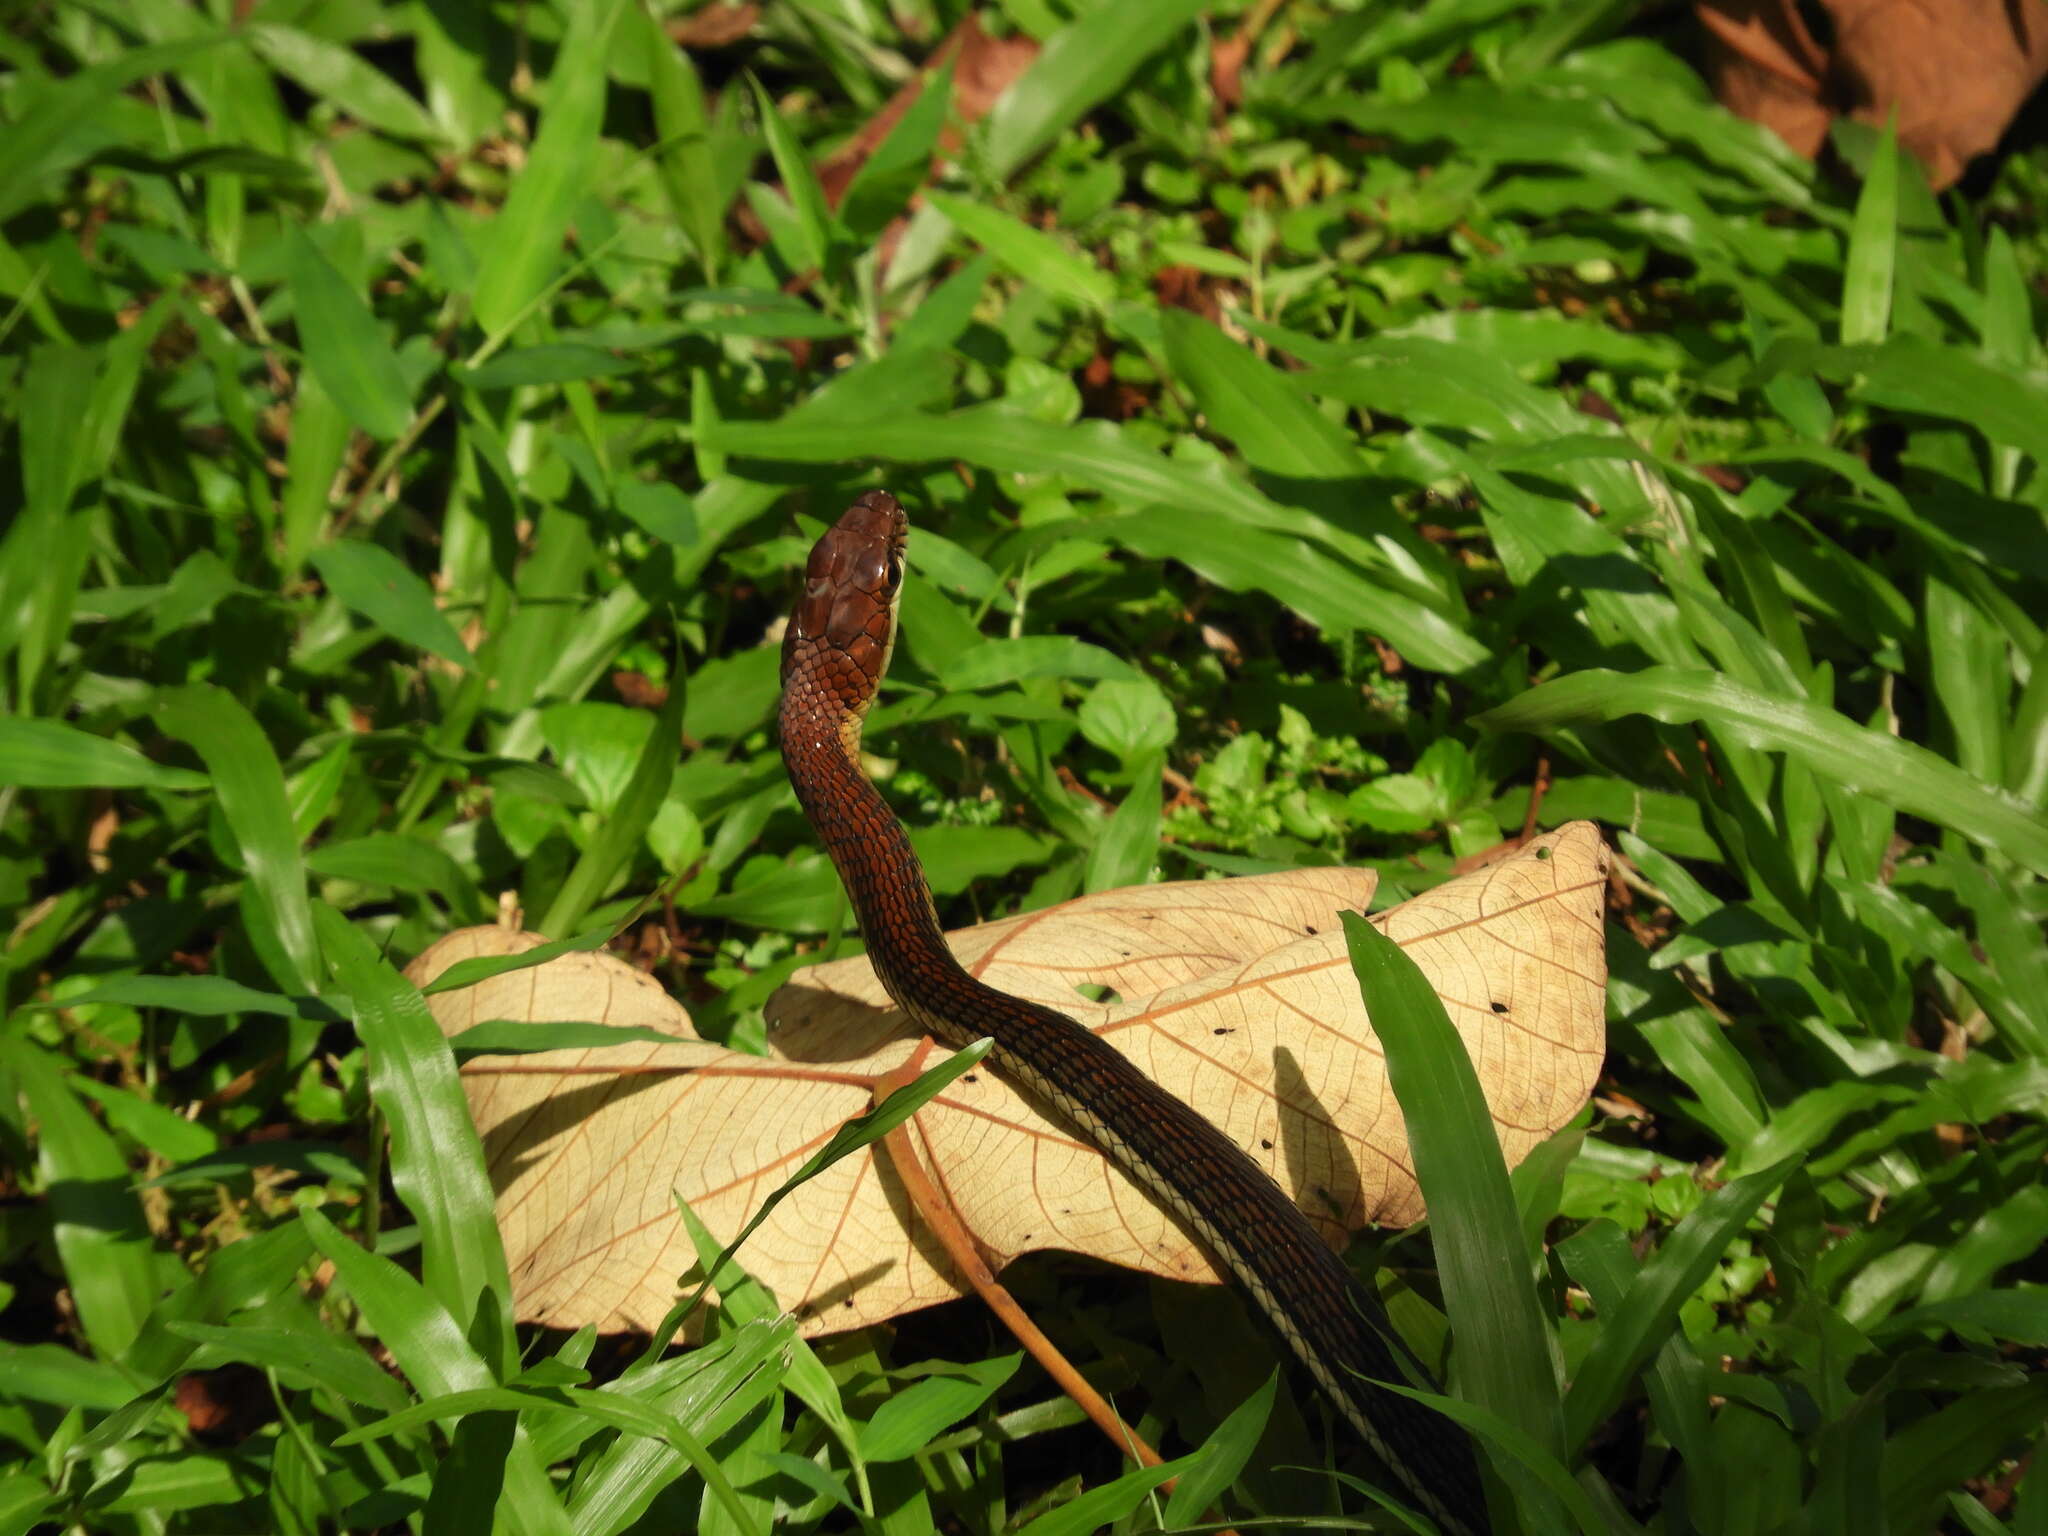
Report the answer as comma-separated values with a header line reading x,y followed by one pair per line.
x,y
526,244
1873,256
815,225
1082,64
437,1161
1501,1355
1129,844
1035,257
1898,772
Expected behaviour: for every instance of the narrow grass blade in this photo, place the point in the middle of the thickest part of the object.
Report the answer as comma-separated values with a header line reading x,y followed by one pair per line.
x,y
429,1347
1598,1257
1031,255
45,138
1081,67
1223,1456
689,172
245,1273
914,1416
815,225
1523,1449
375,583
345,78
884,183
343,343
1903,775
1873,256
1502,1352
861,1131
48,754
250,787
437,1160
526,237
1272,420
95,1220
1649,1313
467,973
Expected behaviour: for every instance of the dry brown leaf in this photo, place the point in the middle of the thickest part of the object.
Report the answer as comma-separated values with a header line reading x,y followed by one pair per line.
x,y
1237,995
1955,71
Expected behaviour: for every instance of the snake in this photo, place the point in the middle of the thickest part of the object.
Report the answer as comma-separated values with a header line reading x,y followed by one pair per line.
x,y
835,651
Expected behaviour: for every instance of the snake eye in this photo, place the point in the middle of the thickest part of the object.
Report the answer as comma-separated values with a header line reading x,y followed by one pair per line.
x,y
895,572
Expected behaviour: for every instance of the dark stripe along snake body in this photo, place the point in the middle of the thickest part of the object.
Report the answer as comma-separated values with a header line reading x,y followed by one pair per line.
x,y
833,657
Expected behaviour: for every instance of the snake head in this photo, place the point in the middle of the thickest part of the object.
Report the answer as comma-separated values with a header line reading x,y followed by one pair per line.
x,y
847,613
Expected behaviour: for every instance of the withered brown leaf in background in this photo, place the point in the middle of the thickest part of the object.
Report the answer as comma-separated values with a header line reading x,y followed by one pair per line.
x,y
1955,70
1235,994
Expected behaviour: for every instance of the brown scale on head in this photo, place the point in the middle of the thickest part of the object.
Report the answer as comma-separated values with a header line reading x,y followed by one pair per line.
x,y
844,626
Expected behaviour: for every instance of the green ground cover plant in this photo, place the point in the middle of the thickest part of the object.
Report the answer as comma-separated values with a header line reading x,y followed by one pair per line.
x,y
417,413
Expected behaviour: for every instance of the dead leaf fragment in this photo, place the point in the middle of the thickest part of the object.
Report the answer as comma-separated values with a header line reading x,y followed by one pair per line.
x,y
1234,994
1955,71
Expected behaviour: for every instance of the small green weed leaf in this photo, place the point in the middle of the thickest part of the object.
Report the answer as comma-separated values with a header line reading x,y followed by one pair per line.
x,y
1130,717
343,343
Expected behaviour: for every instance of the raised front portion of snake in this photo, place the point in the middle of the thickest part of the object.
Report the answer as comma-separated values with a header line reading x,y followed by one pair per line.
x,y
833,657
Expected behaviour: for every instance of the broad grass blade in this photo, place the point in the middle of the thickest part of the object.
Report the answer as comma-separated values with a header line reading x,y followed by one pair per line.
x,y
1502,1352
437,1161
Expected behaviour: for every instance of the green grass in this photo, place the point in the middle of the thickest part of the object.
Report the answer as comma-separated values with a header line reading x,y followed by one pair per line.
x,y
389,385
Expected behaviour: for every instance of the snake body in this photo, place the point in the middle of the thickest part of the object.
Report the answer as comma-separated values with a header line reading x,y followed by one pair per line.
x,y
834,653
